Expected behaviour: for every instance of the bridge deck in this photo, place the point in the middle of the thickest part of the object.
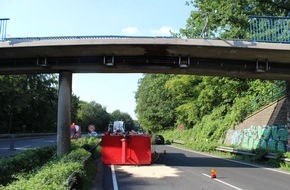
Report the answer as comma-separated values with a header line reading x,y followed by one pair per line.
x,y
94,54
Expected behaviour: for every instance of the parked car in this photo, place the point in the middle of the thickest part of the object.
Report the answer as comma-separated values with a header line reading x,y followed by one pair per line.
x,y
158,139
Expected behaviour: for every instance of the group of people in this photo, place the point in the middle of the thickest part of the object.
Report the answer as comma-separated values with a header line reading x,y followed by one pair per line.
x,y
75,131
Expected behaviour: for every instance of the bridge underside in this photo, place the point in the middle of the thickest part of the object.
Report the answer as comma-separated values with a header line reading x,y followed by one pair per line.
x,y
239,59
150,64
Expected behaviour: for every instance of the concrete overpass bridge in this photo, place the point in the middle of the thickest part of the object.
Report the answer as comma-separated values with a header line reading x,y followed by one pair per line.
x,y
111,54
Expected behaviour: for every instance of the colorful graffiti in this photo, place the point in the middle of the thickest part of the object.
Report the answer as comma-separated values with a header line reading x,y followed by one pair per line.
x,y
267,137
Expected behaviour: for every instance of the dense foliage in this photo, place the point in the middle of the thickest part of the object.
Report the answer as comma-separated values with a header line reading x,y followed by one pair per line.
x,y
228,19
45,171
22,162
92,113
155,104
28,103
117,115
209,105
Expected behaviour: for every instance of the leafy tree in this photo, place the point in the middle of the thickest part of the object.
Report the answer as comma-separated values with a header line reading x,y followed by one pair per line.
x,y
228,19
28,102
41,92
155,105
117,115
93,113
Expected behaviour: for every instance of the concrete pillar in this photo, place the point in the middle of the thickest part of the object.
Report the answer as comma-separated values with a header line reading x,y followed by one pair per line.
x,y
288,109
64,113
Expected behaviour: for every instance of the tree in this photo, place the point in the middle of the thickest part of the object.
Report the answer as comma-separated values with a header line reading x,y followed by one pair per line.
x,y
28,102
93,113
228,19
155,105
117,115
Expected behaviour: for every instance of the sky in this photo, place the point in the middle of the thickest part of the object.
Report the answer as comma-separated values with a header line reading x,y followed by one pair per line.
x,y
41,18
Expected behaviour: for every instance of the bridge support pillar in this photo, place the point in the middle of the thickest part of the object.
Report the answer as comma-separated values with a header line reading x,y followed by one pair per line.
x,y
288,109
64,113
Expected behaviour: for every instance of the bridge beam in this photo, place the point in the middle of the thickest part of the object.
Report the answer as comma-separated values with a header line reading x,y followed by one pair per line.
x,y
64,113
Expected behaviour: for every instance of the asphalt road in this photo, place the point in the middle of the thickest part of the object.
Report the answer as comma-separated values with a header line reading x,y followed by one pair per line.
x,y
25,143
182,169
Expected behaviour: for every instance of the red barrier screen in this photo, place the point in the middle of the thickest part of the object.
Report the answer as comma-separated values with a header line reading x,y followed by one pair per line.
x,y
129,150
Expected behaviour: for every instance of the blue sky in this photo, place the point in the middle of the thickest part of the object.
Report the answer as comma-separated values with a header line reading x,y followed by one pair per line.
x,y
38,18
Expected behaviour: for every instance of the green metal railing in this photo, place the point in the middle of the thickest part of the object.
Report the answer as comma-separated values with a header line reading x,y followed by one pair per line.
x,y
277,92
270,29
3,26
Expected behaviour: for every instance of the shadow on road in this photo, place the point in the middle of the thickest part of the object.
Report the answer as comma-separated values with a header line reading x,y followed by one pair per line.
x,y
195,160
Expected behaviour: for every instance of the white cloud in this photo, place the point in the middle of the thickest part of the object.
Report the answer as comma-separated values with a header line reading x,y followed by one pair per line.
x,y
163,31
130,30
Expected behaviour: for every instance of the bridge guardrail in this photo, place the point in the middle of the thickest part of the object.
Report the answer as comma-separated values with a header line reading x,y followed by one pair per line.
x,y
3,26
178,141
249,153
19,135
240,151
272,29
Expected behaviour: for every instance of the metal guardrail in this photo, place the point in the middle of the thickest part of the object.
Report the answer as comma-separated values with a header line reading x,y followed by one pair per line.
x,y
3,27
20,135
249,153
239,151
178,141
274,94
269,29
53,38
72,179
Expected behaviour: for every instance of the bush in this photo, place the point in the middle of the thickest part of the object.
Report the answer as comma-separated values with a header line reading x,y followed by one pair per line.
x,y
54,174
26,161
46,171
260,154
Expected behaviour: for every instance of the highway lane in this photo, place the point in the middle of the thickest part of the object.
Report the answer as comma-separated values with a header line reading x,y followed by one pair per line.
x,y
182,169
25,143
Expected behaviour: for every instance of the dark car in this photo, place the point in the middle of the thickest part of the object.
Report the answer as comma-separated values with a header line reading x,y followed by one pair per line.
x,y
159,139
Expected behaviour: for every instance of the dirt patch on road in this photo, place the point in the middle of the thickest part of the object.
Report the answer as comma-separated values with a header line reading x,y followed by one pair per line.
x,y
152,171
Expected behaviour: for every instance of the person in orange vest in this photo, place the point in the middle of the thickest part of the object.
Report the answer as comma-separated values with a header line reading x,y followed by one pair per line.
x,y
73,131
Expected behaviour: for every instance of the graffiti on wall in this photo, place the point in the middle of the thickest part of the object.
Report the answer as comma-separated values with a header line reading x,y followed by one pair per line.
x,y
271,137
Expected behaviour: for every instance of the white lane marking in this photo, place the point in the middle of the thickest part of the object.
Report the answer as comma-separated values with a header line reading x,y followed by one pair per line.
x,y
225,183
115,184
235,161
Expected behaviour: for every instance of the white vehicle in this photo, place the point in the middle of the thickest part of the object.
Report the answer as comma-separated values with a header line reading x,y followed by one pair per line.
x,y
118,127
